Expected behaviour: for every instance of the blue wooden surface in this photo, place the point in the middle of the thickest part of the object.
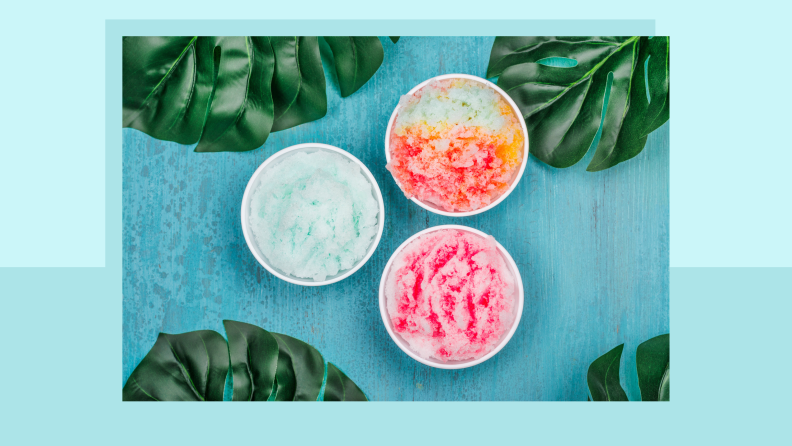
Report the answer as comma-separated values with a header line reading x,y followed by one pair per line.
x,y
592,249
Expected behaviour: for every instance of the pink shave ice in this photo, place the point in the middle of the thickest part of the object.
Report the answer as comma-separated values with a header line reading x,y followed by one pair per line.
x,y
450,295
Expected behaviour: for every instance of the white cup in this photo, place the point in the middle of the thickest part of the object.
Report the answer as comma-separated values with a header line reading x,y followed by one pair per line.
x,y
254,181
405,346
515,179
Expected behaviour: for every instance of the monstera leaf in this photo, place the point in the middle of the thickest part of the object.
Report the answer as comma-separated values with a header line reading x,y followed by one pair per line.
x,y
254,358
652,365
603,377
229,93
356,60
563,107
183,367
264,366
340,388
299,83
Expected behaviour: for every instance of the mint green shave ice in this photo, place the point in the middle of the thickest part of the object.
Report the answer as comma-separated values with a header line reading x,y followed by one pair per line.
x,y
313,215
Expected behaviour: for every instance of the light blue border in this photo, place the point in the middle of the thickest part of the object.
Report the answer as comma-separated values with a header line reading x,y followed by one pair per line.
x,y
728,191
68,388
62,325
73,198
382,27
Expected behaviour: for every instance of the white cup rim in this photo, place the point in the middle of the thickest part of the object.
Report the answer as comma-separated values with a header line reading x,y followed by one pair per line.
x,y
517,113
402,343
249,239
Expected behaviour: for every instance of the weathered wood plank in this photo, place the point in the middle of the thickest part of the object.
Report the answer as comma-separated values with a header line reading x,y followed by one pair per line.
x,y
592,249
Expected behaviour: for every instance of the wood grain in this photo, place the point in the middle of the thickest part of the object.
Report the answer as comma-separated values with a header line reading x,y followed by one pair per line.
x,y
592,249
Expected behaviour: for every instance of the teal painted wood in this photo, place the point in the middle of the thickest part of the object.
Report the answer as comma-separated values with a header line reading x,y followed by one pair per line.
x,y
592,249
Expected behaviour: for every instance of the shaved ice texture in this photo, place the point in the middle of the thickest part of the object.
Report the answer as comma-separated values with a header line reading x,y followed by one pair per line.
x,y
455,143
450,295
313,214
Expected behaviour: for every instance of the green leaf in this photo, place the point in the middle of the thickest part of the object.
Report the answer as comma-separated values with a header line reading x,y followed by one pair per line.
x,y
508,51
622,65
229,93
285,380
641,115
241,110
183,367
659,84
340,388
210,90
563,106
300,370
264,367
394,39
298,87
665,386
356,60
652,360
254,357
603,377
167,82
